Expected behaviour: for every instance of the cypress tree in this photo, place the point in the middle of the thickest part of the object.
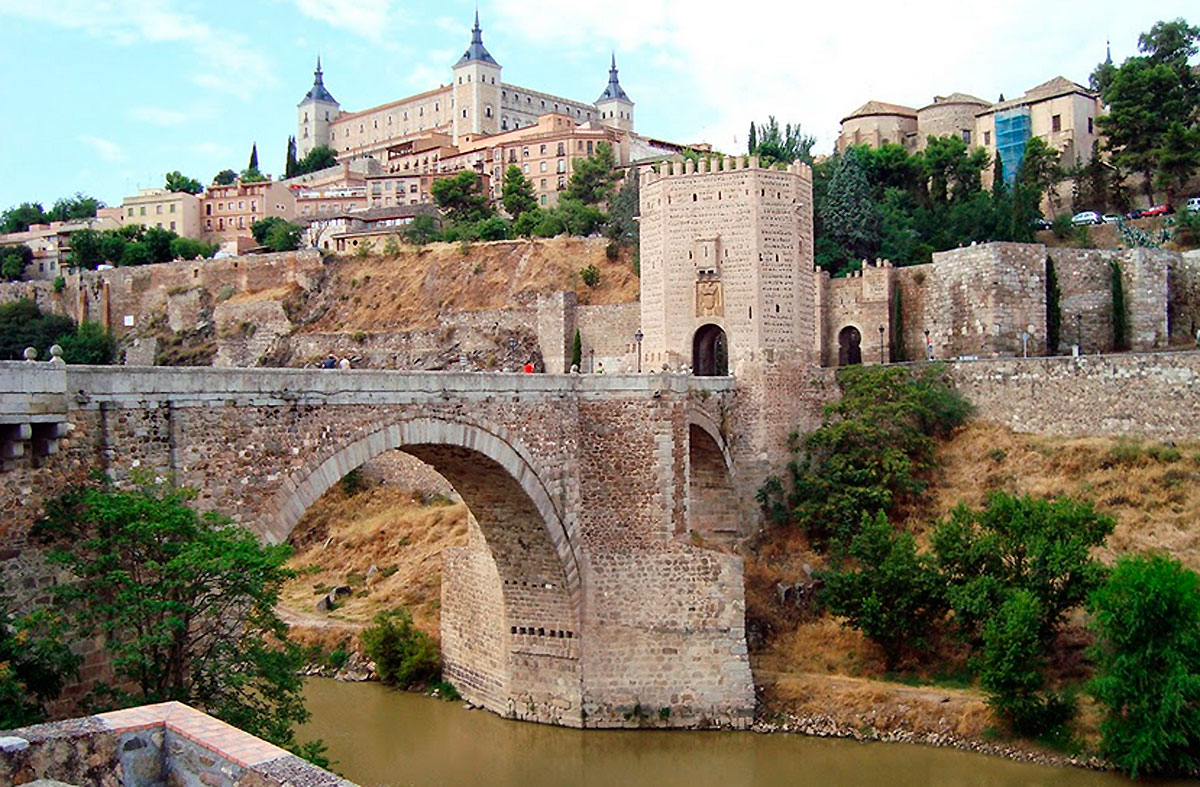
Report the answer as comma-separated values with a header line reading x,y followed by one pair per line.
x,y
1120,340
253,158
1053,309
753,148
290,169
577,350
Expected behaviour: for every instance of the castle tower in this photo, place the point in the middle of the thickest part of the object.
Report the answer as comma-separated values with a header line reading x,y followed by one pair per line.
x,y
476,83
314,115
726,264
616,108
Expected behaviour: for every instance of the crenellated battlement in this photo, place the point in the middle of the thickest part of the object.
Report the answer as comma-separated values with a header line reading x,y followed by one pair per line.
x,y
713,165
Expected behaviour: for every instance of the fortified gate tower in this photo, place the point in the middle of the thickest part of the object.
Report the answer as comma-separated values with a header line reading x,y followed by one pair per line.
x,y
726,264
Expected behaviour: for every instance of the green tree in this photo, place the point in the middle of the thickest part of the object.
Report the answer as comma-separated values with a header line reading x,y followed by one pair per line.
x,y
1019,543
623,212
89,343
22,324
1178,158
80,206
775,145
577,350
191,248
284,236
849,218
494,228
253,165
404,656
1039,176
1146,618
112,247
177,181
421,230
1012,669
319,158
225,177
13,260
893,595
158,243
461,197
35,662
136,253
594,177
290,166
19,218
85,253
1053,309
262,228
518,195
752,143
183,602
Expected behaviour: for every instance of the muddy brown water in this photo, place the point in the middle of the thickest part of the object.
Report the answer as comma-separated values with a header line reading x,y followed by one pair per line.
x,y
380,737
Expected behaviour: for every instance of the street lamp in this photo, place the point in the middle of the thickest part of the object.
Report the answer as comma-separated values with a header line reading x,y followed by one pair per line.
x,y
592,361
881,344
1024,344
1079,332
928,347
638,338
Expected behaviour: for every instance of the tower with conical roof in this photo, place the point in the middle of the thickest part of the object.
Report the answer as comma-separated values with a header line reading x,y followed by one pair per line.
x,y
615,107
476,89
314,114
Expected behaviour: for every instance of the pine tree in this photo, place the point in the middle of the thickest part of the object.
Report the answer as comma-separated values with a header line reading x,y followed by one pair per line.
x,y
518,197
849,216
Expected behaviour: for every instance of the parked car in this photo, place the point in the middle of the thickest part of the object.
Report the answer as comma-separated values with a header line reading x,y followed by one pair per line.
x,y
1042,224
1136,213
1193,205
1086,217
1112,218
1158,210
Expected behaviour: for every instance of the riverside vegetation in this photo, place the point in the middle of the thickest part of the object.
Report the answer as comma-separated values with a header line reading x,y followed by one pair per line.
x,y
986,592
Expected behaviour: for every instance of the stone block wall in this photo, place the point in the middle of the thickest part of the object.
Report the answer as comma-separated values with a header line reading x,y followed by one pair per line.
x,y
1153,395
1183,288
167,743
1085,298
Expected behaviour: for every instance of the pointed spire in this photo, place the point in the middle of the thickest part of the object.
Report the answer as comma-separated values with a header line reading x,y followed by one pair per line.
x,y
476,51
1107,51
614,90
318,92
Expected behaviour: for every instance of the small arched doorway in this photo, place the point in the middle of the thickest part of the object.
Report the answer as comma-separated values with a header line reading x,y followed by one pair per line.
x,y
710,352
849,346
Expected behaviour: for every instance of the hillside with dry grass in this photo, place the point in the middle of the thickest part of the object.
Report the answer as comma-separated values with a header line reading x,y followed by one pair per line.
x,y
810,665
408,290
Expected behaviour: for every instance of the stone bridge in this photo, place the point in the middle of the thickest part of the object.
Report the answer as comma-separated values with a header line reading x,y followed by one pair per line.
x,y
584,596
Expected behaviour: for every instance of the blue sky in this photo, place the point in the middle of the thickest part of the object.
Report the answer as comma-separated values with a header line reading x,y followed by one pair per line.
x,y
106,96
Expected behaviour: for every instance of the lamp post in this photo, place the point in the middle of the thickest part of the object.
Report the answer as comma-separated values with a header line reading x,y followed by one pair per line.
x,y
881,344
1079,332
592,359
638,338
928,347
1024,344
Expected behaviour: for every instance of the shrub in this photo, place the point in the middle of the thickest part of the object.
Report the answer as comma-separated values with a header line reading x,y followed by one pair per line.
x,y
1062,226
89,344
894,596
1147,653
874,449
60,284
404,656
590,275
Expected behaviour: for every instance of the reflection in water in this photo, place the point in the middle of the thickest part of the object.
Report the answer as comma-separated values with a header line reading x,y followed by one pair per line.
x,y
383,737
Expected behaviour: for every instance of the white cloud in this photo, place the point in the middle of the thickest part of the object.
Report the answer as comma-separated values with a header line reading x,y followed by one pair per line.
x,y
159,116
105,149
375,20
229,62
816,62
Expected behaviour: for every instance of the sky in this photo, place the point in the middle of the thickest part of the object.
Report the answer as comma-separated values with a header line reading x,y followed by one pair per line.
x,y
105,96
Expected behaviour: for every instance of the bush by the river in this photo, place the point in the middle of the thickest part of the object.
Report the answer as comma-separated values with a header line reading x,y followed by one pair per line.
x,y
404,655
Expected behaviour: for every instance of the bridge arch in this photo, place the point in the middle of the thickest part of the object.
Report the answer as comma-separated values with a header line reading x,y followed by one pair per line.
x,y
713,512
511,599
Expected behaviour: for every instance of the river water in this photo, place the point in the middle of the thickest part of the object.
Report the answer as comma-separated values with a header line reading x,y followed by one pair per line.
x,y
383,737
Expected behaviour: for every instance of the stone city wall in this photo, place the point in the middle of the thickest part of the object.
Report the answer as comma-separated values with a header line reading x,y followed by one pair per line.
x,y
1152,395
1183,287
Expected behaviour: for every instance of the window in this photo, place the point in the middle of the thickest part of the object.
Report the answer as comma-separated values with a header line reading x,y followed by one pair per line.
x,y
589,147
254,206
526,168
1056,123
241,204
543,167
172,226
158,209
207,210
543,199
543,183
412,189
131,210
524,152
464,113
543,150
966,135
172,207
562,165
1091,125
987,138
142,211
488,112
561,152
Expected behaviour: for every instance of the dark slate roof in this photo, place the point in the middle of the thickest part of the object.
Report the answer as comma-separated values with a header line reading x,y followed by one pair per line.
x,y
318,91
476,51
614,86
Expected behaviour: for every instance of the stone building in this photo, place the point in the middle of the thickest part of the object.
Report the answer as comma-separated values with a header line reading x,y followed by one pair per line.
x,y
228,211
170,210
726,263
